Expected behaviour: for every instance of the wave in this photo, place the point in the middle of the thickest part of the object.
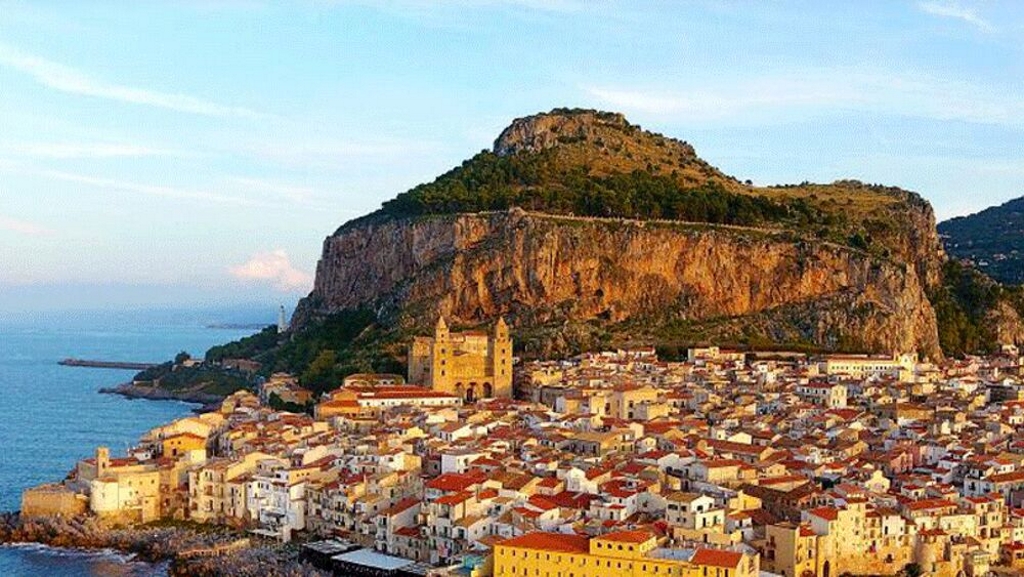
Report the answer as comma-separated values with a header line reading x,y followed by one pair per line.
x,y
129,562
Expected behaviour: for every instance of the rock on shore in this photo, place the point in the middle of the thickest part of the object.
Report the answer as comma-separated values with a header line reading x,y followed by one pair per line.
x,y
177,542
133,391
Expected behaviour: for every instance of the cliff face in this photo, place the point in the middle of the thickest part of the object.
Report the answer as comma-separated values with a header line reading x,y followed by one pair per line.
x,y
635,279
1005,323
841,266
920,245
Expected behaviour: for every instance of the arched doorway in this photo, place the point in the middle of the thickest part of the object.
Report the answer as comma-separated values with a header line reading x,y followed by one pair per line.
x,y
488,391
471,393
826,569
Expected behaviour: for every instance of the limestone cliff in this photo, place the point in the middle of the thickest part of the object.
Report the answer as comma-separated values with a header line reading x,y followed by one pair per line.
x,y
546,271
845,266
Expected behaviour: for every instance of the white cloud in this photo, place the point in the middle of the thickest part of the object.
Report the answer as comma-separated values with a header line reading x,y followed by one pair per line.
x,y
770,98
290,192
729,101
69,150
156,190
70,80
955,11
23,227
330,153
274,268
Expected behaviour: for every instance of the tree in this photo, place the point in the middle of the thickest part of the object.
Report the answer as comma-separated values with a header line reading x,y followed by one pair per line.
x,y
912,570
278,404
321,375
182,357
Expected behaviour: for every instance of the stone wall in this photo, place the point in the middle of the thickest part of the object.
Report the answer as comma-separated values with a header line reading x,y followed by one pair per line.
x,y
52,501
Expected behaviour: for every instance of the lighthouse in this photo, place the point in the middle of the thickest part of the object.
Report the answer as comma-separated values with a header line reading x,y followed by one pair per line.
x,y
282,324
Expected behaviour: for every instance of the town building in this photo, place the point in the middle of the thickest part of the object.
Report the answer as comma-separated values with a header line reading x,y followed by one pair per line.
x,y
623,553
470,365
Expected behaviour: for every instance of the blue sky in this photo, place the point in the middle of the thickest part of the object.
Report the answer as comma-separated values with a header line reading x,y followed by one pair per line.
x,y
199,152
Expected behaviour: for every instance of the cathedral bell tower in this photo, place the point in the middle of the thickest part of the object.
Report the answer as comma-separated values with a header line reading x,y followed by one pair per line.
x,y
440,357
501,358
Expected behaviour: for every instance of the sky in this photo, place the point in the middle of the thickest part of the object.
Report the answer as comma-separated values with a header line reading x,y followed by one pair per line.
x,y
198,152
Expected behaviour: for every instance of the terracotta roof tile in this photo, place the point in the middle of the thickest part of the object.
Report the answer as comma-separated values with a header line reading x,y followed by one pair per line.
x,y
550,542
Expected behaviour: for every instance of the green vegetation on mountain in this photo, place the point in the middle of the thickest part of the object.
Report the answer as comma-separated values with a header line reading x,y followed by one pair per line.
x,y
246,347
595,164
964,306
322,354
200,379
991,240
534,182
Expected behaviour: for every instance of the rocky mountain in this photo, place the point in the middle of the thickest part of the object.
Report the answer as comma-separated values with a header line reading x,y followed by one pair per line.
x,y
991,240
584,230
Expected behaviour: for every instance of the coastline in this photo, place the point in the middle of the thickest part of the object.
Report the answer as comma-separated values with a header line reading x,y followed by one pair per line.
x,y
133,391
186,548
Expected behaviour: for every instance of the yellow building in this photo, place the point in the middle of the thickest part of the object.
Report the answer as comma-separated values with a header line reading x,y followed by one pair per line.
x,y
181,443
626,402
122,489
470,365
620,554
832,541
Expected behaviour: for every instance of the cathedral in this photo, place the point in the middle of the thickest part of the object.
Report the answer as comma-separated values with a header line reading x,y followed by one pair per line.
x,y
472,365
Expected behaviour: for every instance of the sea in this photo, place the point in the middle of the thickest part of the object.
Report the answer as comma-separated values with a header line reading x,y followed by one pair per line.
x,y
52,415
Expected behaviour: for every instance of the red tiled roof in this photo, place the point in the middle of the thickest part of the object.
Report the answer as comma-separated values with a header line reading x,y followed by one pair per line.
x,y
716,558
400,506
826,513
454,498
627,536
571,500
185,434
408,531
529,513
540,502
926,504
455,481
550,542
1011,477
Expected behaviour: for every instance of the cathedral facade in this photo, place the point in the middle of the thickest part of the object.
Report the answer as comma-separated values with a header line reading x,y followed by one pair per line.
x,y
472,365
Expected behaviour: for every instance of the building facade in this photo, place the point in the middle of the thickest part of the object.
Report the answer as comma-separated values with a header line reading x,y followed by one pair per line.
x,y
618,554
470,365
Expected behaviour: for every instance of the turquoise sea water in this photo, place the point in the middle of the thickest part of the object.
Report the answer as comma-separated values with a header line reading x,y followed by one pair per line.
x,y
51,416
